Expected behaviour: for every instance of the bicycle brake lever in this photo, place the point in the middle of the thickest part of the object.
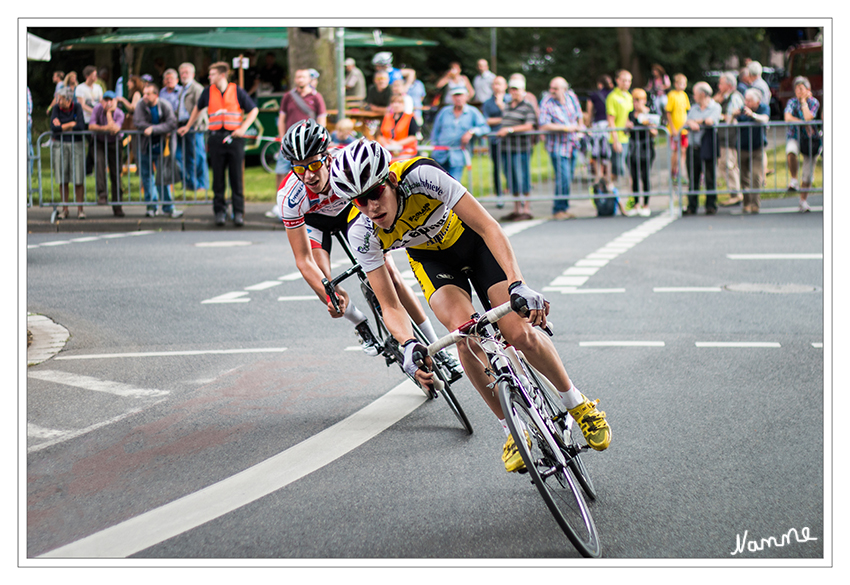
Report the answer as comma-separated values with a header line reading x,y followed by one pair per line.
x,y
331,294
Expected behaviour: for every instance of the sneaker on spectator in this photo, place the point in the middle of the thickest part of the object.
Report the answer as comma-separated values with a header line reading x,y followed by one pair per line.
x,y
804,206
644,212
176,213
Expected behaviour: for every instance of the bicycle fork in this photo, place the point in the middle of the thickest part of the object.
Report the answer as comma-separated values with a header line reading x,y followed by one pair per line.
x,y
511,378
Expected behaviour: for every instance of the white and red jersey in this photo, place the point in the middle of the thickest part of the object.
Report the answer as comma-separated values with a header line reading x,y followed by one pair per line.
x,y
295,200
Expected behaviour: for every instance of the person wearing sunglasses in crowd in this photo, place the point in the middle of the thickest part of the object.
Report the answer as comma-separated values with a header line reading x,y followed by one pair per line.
x,y
311,213
416,205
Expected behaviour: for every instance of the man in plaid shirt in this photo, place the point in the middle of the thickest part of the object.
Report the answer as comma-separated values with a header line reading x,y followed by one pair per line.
x,y
561,117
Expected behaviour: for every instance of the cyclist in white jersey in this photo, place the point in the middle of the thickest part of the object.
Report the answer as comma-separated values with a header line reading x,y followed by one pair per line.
x,y
311,213
415,204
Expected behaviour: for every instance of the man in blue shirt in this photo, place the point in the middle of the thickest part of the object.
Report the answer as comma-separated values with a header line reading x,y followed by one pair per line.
x,y
453,129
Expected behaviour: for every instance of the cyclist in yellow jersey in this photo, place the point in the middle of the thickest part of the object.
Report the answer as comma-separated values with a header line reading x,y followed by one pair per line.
x,y
416,205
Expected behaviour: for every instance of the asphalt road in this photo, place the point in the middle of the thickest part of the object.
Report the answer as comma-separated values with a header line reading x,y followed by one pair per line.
x,y
185,374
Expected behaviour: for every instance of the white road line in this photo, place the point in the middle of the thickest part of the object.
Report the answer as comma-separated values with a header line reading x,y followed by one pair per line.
x,y
737,344
569,281
581,271
774,256
571,290
818,345
621,344
290,276
520,226
56,243
193,510
231,297
264,285
663,289
100,356
299,298
94,384
68,435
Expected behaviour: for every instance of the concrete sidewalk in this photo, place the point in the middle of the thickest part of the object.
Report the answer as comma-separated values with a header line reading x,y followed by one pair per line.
x,y
99,218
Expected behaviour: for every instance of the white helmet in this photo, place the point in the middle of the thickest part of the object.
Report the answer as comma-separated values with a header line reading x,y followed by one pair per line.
x,y
383,58
359,167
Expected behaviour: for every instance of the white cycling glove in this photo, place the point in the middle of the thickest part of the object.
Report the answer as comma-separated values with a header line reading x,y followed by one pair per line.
x,y
413,352
523,298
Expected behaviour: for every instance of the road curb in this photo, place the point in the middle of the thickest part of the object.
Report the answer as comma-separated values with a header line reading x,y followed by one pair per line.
x,y
48,339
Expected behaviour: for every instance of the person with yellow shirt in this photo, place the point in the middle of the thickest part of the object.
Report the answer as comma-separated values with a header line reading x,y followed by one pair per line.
x,y
416,205
618,104
678,105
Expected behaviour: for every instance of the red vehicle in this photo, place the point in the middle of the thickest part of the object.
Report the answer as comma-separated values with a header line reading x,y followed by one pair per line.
x,y
805,59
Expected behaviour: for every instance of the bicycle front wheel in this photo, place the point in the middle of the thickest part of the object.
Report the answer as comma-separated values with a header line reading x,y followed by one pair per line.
x,y
556,482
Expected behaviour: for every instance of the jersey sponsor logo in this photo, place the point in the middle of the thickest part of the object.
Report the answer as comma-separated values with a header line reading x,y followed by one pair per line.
x,y
365,246
426,209
293,223
444,276
425,183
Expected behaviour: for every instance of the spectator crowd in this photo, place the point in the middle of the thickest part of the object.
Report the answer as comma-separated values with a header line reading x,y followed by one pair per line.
x,y
186,129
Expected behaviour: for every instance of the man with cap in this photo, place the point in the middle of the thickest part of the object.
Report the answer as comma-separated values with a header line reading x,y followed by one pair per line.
x,y
106,121
454,127
355,81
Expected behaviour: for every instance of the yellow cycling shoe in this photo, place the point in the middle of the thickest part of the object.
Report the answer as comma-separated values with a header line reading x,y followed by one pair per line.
x,y
592,423
511,457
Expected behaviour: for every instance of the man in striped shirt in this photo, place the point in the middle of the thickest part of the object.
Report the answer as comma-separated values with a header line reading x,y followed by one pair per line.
x,y
561,116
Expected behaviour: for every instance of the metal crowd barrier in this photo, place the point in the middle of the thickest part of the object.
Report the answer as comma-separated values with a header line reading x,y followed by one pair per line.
x,y
488,174
126,165
759,164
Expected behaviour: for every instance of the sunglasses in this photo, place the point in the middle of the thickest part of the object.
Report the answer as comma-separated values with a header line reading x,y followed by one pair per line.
x,y
372,194
313,166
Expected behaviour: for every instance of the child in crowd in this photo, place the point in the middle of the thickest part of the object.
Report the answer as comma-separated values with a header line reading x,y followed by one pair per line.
x,y
677,113
344,133
641,150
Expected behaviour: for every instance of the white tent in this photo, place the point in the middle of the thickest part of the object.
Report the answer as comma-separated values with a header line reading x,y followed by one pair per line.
x,y
38,49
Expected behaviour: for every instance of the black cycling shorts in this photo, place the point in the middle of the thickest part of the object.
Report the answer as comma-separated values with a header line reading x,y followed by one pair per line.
x,y
320,227
468,259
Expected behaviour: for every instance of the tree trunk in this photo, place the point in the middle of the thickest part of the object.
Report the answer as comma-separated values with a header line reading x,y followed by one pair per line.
x,y
628,58
314,48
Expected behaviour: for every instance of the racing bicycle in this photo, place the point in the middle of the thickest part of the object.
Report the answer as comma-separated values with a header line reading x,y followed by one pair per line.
x,y
533,410
389,348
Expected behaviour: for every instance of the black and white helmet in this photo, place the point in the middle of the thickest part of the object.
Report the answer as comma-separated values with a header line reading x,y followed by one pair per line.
x,y
383,58
303,140
359,167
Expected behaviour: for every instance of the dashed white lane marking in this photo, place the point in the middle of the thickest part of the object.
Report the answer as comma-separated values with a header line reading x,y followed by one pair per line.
x,y
231,297
90,239
580,272
621,344
99,356
774,256
188,512
299,298
95,384
663,289
264,285
737,344
818,345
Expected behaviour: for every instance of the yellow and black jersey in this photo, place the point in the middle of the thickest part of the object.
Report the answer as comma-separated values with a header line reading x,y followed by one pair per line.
x,y
426,222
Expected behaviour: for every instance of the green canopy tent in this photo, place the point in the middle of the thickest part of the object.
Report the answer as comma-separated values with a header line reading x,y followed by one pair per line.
x,y
228,38
257,38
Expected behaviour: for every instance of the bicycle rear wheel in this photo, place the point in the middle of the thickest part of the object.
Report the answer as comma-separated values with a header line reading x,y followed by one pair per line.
x,y
556,483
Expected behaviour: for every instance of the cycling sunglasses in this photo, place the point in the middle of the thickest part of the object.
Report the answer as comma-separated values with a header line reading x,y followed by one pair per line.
x,y
313,166
372,194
